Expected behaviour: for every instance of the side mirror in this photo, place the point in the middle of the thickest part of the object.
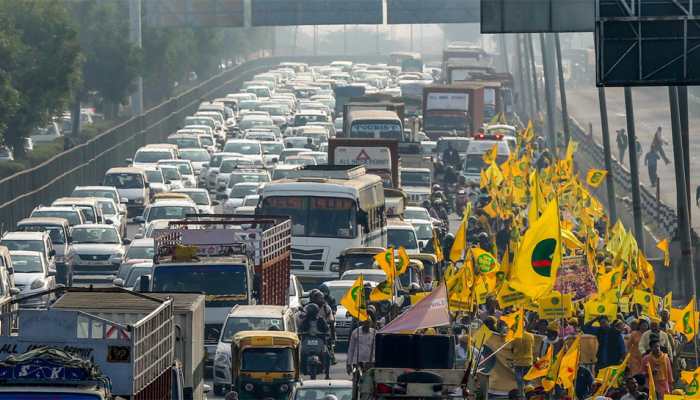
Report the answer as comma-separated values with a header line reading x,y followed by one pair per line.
x,y
10,270
115,260
14,291
140,220
145,284
129,160
124,200
126,241
168,182
147,185
119,282
52,272
205,165
109,222
138,236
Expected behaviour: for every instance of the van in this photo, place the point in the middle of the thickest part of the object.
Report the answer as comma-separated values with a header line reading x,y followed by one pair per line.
x,y
132,184
31,241
58,230
474,160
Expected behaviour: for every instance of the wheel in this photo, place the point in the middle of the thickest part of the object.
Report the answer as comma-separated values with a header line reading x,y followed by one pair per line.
x,y
219,390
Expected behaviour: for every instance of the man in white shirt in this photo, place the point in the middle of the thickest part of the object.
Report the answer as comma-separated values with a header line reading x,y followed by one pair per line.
x,y
361,345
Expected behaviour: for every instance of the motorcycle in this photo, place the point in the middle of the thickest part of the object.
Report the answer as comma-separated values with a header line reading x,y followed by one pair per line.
x,y
314,355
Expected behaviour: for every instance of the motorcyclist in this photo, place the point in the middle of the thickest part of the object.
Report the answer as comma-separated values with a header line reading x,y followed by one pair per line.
x,y
326,313
451,177
313,325
450,156
447,243
431,210
329,299
437,193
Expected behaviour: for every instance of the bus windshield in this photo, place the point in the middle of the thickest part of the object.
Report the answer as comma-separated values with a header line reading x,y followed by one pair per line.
x,y
377,129
316,216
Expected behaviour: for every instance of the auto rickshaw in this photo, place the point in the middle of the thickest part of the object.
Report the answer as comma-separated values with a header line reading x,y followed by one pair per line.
x,y
265,364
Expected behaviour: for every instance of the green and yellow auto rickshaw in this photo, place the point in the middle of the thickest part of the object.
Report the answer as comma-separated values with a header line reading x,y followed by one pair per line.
x,y
265,364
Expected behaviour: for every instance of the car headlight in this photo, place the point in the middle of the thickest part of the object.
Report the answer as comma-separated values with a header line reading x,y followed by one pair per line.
x,y
248,387
284,387
37,284
221,358
335,267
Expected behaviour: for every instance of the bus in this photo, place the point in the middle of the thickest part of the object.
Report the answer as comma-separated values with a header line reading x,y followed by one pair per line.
x,y
374,124
332,208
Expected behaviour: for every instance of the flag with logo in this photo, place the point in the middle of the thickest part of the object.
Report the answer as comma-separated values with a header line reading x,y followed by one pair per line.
x,y
482,335
515,322
383,291
692,382
386,262
541,366
667,302
484,261
459,246
595,177
593,309
534,269
569,364
612,376
665,249
555,306
686,320
490,156
644,299
404,261
354,300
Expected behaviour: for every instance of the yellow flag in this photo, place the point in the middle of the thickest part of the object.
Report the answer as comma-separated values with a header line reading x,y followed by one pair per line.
x,y
387,263
664,247
537,261
593,309
437,249
529,132
644,299
354,300
569,364
570,240
404,261
481,336
646,272
459,246
692,382
595,177
612,376
485,262
686,320
549,380
515,323
555,305
490,156
652,385
667,302
383,291
541,366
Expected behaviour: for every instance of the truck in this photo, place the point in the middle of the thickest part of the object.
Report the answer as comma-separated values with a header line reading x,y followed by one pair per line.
x,y
135,351
343,94
452,110
498,86
379,156
371,102
232,260
426,372
460,71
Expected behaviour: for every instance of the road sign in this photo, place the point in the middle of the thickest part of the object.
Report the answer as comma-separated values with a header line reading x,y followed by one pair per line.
x,y
316,12
520,16
194,13
647,42
432,11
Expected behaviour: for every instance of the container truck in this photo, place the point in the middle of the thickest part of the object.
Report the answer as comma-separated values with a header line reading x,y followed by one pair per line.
x,y
452,110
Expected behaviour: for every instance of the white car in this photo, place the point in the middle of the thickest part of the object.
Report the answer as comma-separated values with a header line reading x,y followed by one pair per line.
x,y
149,156
32,275
186,170
249,149
238,192
201,198
343,322
424,231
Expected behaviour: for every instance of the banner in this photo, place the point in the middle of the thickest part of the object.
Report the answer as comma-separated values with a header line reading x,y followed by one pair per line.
x,y
575,278
429,312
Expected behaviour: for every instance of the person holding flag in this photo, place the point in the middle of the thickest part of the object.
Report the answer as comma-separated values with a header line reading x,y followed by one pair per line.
x,y
658,365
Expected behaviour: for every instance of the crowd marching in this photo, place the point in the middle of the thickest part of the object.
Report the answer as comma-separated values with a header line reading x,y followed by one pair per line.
x,y
545,294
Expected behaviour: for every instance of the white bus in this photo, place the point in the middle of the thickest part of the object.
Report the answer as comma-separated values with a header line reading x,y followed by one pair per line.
x,y
332,208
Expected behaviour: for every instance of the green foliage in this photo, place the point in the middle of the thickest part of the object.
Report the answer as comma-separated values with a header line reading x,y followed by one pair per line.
x,y
8,168
45,51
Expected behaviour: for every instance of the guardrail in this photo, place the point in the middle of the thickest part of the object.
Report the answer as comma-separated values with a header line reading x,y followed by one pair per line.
x,y
86,163
658,214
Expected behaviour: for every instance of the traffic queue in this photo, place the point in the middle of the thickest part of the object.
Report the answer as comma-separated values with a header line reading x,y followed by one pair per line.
x,y
284,223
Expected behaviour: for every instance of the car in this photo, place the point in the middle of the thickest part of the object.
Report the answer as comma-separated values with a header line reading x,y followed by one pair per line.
x,y
243,175
296,291
337,289
401,233
210,170
271,152
197,157
300,160
149,156
319,389
172,176
101,191
416,182
132,184
249,149
73,215
320,156
58,229
167,209
289,152
156,180
32,275
112,215
87,205
185,141
238,192
139,251
201,198
186,170
368,274
228,166
31,241
99,252
246,318
424,231
282,171
414,212
128,277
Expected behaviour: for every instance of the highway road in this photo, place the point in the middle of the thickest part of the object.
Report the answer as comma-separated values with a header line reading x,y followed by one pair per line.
x,y
651,109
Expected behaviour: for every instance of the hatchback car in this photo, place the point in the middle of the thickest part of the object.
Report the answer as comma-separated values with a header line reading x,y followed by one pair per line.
x,y
99,252
32,275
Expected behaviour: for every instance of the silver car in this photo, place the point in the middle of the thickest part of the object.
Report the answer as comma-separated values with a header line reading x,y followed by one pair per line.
x,y
32,275
99,250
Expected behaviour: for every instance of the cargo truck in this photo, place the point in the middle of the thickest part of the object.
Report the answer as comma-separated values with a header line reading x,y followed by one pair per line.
x,y
371,103
135,351
379,156
231,260
452,110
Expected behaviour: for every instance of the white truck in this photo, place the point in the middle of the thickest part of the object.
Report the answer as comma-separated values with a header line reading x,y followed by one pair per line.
x,y
133,348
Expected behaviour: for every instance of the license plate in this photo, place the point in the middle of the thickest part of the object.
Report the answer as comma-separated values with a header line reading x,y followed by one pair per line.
x,y
312,342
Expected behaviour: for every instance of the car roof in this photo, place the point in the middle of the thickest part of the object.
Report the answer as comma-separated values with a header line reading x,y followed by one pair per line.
x,y
345,282
101,226
142,242
43,221
15,235
365,271
257,311
323,383
26,253
95,188
171,203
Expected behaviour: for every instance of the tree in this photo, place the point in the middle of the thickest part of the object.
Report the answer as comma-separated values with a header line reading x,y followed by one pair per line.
x,y
9,96
47,66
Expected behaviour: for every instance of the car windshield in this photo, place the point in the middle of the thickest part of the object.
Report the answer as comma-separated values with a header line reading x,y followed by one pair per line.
x,y
185,169
222,280
206,141
154,176
110,194
474,163
56,233
185,143
95,235
409,178
107,208
241,191
242,148
424,231
337,292
272,148
171,173
150,156
401,237
199,198
238,324
253,178
228,165
169,212
140,252
88,213
195,155
459,145
321,393
24,245
267,359
73,217
417,214
200,121
27,263
124,181
316,216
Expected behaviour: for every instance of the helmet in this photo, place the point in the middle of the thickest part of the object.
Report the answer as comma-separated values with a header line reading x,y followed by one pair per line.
x,y
436,187
324,289
316,296
473,220
483,236
330,397
450,236
311,309
414,286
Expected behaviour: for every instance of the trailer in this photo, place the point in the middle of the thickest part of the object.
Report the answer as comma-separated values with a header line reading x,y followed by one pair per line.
x,y
134,350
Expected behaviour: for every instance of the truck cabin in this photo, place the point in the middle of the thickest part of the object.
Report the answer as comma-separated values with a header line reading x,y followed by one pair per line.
x,y
375,124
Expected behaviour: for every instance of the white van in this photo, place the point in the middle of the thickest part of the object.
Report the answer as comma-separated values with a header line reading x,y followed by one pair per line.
x,y
474,161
